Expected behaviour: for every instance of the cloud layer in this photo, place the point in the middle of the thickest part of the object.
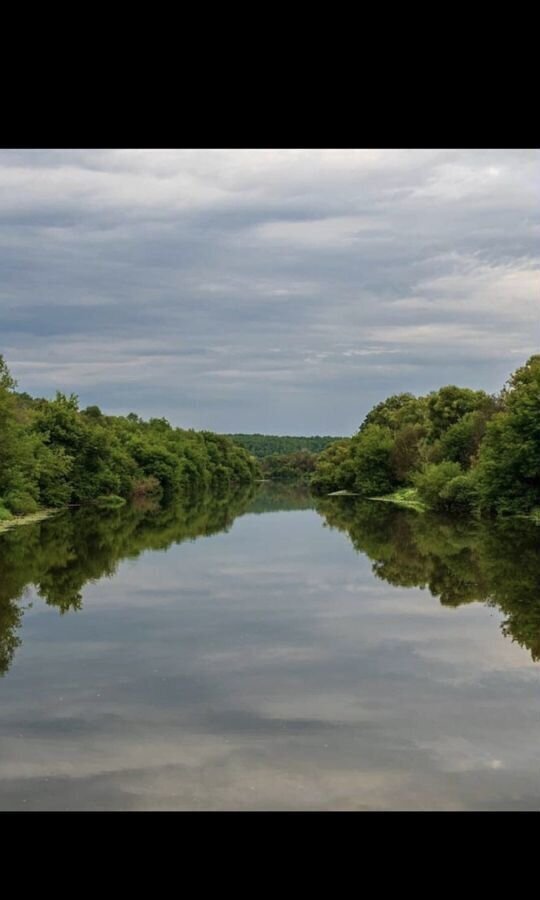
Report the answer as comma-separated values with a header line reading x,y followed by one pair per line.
x,y
273,291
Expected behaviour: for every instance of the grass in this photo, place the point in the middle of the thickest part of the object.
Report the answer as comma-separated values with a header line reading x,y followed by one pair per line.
x,y
5,514
406,497
29,519
111,501
342,494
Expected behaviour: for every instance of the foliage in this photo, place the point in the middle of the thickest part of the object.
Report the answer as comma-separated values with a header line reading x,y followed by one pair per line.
x,y
334,469
262,445
433,482
509,459
371,452
4,513
463,450
397,411
298,466
110,501
53,455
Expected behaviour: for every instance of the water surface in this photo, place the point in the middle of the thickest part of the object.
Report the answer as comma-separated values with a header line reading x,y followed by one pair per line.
x,y
256,652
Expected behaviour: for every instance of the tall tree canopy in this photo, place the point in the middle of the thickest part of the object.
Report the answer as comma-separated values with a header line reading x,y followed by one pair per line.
x,y
53,454
461,449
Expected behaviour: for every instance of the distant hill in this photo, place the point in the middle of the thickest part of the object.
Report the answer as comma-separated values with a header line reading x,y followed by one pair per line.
x,y
262,445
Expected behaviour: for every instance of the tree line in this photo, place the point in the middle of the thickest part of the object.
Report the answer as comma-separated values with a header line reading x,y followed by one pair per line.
x,y
53,454
458,449
263,445
285,458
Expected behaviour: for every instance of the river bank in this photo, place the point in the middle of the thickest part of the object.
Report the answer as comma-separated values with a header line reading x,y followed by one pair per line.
x,y
29,519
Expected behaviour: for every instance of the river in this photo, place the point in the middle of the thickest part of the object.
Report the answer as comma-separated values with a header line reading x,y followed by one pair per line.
x,y
269,651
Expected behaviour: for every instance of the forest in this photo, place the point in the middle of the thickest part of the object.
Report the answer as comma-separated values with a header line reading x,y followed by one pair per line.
x,y
263,445
53,454
452,450
455,449
285,458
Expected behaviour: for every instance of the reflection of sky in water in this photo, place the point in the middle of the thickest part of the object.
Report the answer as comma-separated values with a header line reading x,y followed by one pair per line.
x,y
267,668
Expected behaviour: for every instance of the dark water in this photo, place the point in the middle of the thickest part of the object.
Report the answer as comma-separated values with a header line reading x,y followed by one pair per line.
x,y
260,653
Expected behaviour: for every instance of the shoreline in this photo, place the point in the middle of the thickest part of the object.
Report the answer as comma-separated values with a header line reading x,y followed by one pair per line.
x,y
29,519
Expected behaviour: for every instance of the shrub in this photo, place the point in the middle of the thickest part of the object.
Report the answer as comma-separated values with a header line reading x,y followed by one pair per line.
x,y
4,513
111,501
21,503
372,461
460,494
147,486
432,481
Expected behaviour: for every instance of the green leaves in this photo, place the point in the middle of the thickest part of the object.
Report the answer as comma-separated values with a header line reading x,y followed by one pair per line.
x,y
462,449
52,454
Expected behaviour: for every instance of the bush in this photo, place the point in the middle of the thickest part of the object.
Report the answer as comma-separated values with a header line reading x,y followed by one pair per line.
x,y
372,461
460,494
21,503
111,501
432,481
509,458
333,469
4,513
144,487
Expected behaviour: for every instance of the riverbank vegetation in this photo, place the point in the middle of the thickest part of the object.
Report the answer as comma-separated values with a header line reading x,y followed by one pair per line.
x,y
285,458
297,467
53,454
454,450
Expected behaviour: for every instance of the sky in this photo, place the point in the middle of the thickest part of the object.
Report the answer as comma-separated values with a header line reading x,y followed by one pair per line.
x,y
272,291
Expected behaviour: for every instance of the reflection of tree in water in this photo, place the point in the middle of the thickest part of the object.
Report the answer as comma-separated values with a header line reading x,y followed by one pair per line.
x,y
458,560
60,555
275,496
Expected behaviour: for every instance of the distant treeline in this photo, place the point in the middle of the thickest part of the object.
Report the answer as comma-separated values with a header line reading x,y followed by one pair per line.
x,y
456,448
262,445
298,466
52,454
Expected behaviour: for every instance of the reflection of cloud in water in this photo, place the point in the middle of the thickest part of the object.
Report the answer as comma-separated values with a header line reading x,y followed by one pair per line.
x,y
268,669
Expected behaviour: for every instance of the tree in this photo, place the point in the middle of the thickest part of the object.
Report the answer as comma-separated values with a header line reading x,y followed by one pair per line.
x,y
334,469
509,458
447,406
397,411
371,456
18,487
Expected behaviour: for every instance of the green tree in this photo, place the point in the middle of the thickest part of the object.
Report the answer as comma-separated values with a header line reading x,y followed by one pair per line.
x,y
371,456
448,405
509,459
432,483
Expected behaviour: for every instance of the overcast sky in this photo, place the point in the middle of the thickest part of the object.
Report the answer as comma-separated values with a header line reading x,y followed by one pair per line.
x,y
280,291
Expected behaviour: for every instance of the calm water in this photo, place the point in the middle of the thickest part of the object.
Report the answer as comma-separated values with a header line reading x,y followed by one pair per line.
x,y
261,653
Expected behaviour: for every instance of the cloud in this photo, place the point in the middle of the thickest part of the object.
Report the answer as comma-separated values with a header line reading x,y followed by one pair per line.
x,y
164,280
